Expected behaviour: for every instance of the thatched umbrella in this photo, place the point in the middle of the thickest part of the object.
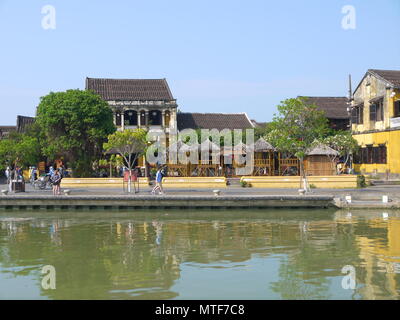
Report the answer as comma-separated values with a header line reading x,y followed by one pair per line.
x,y
206,145
263,146
240,148
322,150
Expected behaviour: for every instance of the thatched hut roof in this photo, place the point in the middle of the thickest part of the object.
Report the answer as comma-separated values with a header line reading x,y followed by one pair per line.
x,y
206,145
263,146
322,150
240,147
209,145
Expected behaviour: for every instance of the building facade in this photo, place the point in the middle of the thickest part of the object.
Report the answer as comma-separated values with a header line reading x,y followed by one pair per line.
x,y
375,119
136,103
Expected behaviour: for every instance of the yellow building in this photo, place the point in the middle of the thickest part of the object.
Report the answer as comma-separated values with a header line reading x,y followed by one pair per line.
x,y
375,119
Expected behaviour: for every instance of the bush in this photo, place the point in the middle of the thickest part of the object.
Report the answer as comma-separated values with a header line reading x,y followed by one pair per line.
x,y
243,183
361,183
313,186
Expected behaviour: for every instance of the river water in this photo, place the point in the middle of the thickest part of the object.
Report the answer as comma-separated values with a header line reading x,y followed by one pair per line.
x,y
260,254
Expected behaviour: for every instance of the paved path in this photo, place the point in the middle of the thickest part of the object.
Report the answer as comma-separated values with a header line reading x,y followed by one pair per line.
x,y
370,193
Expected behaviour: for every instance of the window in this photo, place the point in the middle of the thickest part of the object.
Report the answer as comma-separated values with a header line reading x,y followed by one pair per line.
x,y
375,155
372,112
357,157
397,108
130,118
379,110
382,154
361,114
369,155
364,158
354,115
155,117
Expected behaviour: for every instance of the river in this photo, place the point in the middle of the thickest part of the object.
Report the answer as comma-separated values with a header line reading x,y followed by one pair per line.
x,y
203,254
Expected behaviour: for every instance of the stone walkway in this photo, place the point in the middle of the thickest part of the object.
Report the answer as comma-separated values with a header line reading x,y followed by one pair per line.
x,y
373,193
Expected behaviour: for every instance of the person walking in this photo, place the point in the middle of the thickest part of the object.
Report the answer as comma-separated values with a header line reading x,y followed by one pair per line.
x,y
8,175
56,182
158,186
12,177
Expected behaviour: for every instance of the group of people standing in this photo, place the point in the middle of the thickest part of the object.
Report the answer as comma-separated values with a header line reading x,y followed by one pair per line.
x,y
16,175
13,174
55,179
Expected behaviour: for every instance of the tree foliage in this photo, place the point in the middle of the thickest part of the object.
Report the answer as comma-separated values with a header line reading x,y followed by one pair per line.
x,y
297,126
74,125
19,149
130,144
343,142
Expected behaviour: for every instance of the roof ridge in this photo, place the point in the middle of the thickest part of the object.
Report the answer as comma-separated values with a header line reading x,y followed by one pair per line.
x,y
126,78
383,70
324,96
225,113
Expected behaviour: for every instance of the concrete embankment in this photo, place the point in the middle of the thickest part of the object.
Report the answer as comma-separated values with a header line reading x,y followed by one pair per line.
x,y
86,202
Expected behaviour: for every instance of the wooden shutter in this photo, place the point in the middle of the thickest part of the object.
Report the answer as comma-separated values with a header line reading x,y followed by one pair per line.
x,y
382,154
364,155
397,108
354,118
361,114
369,155
372,112
375,155
357,157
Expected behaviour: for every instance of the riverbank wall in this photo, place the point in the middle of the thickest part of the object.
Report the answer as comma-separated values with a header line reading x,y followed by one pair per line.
x,y
88,202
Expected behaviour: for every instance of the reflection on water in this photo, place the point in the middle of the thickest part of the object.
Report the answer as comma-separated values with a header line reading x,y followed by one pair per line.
x,y
262,254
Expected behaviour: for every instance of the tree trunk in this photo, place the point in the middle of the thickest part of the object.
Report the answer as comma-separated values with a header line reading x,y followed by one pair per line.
x,y
130,180
303,176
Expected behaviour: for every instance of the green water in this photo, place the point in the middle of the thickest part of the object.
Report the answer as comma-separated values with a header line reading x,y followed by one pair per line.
x,y
263,254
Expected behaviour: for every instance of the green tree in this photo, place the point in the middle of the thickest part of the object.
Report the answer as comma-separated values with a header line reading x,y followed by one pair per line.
x,y
261,131
74,125
130,144
295,129
19,149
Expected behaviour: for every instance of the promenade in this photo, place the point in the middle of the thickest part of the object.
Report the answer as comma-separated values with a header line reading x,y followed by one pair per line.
x,y
230,197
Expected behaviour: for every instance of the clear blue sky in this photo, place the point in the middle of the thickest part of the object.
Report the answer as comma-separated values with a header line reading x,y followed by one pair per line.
x,y
218,56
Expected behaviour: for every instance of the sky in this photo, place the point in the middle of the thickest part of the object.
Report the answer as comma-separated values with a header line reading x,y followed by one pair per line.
x,y
217,56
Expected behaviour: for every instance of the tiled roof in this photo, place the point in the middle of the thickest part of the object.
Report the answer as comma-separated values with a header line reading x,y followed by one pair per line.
x,y
334,107
24,122
218,121
259,124
391,76
130,89
5,130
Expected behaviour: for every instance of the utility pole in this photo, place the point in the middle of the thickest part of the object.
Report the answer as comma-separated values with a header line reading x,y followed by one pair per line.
x,y
350,111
